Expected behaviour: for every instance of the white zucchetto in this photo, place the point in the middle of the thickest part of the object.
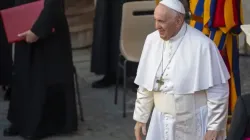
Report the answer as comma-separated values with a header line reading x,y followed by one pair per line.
x,y
175,5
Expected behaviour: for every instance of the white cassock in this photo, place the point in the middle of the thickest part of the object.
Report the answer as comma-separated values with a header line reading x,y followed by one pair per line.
x,y
194,95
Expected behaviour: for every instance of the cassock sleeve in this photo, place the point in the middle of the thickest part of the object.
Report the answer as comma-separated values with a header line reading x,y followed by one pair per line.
x,y
239,121
143,105
46,21
217,102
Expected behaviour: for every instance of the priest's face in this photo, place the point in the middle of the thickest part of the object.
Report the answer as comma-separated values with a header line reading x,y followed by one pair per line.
x,y
166,21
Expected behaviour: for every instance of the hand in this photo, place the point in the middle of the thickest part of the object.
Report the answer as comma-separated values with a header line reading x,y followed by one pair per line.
x,y
138,127
211,135
29,36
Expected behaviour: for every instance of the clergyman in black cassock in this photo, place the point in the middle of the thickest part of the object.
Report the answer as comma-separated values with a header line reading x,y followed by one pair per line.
x,y
42,99
106,42
5,52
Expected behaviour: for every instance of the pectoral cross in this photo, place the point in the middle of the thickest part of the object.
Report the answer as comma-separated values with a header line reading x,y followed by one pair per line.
x,y
160,83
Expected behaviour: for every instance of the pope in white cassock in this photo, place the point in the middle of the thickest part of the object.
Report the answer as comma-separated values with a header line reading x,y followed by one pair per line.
x,y
182,75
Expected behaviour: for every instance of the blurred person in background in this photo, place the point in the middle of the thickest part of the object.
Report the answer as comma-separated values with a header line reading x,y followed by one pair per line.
x,y
43,97
106,42
5,54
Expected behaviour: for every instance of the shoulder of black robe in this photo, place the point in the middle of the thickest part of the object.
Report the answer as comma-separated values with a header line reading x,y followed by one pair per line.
x,y
246,103
240,118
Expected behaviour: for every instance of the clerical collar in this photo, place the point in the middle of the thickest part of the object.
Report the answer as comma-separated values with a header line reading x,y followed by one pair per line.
x,y
180,33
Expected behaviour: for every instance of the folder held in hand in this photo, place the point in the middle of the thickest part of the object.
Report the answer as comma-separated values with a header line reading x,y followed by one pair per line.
x,y
19,19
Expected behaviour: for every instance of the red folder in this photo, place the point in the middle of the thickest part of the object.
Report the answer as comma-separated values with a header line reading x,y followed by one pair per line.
x,y
19,19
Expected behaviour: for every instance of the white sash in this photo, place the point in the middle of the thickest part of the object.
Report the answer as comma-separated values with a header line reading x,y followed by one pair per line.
x,y
174,104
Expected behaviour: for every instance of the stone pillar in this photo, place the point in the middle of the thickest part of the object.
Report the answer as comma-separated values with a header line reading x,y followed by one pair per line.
x,y
80,15
244,47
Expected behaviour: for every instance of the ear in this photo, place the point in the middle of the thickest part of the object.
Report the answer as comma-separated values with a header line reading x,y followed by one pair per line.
x,y
179,20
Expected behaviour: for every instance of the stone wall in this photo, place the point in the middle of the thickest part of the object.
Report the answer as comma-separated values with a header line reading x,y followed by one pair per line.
x,y
244,48
80,14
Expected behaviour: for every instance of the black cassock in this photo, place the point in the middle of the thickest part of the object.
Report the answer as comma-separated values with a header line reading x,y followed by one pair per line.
x,y
43,98
106,40
5,49
105,47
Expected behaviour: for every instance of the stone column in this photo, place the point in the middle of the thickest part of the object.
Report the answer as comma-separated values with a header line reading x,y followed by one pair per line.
x,y
80,15
244,47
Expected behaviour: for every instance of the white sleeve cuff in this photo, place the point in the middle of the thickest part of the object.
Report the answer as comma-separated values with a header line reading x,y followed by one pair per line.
x,y
217,102
143,105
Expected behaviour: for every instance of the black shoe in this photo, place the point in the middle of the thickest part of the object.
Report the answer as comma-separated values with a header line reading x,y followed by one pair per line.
x,y
106,81
10,132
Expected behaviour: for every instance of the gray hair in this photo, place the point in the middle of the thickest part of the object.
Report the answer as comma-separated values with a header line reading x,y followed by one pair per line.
x,y
177,14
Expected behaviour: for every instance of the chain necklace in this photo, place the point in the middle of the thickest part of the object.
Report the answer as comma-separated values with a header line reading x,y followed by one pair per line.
x,y
161,80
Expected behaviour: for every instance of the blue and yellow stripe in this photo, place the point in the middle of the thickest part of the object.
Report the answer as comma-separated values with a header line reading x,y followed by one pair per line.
x,y
226,38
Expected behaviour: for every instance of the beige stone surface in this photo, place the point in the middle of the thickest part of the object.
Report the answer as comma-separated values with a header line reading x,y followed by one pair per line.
x,y
80,15
244,48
